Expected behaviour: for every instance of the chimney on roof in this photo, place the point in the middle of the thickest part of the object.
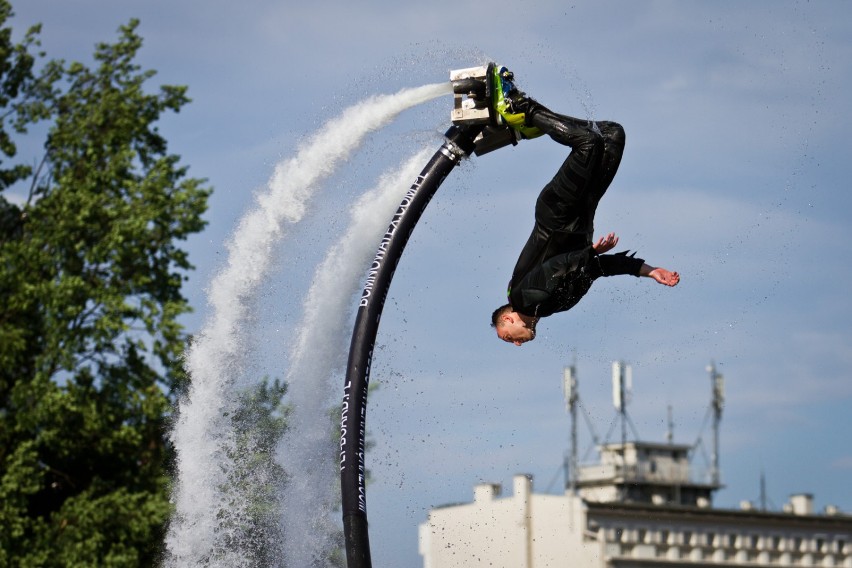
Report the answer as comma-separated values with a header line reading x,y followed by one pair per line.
x,y
802,504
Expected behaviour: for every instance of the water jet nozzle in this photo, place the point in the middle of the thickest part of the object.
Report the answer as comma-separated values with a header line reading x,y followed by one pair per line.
x,y
472,95
473,104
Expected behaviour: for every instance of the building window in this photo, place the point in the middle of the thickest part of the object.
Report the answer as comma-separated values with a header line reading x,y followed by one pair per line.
x,y
641,536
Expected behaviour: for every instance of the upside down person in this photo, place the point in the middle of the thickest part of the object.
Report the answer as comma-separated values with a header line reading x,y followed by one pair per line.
x,y
560,260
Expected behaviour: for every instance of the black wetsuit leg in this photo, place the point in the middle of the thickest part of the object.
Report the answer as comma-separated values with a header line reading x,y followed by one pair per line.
x,y
565,208
614,139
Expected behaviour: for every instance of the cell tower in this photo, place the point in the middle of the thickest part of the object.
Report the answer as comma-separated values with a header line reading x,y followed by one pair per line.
x,y
572,397
622,388
717,384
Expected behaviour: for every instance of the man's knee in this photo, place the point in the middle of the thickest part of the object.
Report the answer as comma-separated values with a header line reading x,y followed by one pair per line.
x,y
613,132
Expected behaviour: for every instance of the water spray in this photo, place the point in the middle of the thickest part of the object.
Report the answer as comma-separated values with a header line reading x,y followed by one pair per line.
x,y
205,529
477,128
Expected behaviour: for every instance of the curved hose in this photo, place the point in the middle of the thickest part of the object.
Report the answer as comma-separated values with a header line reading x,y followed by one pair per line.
x,y
459,143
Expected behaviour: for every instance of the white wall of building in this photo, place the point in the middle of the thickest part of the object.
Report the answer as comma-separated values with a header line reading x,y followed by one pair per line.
x,y
526,530
520,531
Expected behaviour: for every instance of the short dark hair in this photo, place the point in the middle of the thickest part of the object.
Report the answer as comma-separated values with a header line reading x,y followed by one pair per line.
x,y
495,317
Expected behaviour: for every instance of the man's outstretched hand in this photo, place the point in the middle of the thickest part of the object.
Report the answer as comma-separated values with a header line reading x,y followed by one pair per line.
x,y
661,275
606,243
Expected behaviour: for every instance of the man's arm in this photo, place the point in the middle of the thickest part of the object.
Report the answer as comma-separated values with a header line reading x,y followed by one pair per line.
x,y
661,275
616,265
605,244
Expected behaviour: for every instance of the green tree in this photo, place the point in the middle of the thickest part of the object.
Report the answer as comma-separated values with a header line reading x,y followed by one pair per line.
x,y
20,92
90,283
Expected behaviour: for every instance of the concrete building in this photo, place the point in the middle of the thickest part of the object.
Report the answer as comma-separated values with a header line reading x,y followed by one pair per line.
x,y
528,530
640,506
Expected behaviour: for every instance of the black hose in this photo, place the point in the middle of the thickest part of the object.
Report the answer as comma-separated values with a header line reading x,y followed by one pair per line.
x,y
459,143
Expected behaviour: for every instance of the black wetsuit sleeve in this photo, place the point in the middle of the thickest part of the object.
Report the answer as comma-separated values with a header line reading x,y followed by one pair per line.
x,y
560,282
537,286
615,264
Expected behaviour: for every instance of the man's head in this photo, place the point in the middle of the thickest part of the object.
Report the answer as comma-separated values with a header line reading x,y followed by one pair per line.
x,y
513,327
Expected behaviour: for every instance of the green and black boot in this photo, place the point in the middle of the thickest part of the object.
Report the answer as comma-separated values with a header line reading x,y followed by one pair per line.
x,y
512,105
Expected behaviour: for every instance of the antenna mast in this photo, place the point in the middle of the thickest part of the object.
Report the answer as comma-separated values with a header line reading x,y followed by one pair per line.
x,y
717,384
569,388
622,384
670,426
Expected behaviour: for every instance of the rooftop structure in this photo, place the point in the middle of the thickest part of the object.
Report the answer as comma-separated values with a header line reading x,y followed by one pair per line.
x,y
641,505
529,530
644,472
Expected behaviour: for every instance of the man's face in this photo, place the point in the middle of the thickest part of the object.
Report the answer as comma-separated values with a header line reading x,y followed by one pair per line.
x,y
512,329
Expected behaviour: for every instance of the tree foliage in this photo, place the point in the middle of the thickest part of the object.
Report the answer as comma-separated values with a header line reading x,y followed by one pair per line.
x,y
91,270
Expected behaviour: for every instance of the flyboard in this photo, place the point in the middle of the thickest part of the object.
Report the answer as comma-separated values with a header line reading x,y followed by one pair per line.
x,y
477,128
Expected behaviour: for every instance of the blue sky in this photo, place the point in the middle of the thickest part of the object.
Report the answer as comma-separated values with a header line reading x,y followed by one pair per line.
x,y
735,174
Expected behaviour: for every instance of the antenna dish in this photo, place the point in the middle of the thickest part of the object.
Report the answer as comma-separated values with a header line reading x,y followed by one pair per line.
x,y
628,381
617,401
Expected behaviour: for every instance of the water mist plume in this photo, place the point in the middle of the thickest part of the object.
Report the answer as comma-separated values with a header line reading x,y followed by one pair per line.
x,y
308,452
203,434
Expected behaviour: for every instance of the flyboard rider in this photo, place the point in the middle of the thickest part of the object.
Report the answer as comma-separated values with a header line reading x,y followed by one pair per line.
x,y
560,260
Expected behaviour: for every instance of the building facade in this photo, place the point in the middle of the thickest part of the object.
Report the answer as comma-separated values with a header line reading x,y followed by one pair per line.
x,y
638,507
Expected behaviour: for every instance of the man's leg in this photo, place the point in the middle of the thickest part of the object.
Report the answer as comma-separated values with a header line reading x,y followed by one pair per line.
x,y
562,203
566,207
589,170
573,132
561,210
614,139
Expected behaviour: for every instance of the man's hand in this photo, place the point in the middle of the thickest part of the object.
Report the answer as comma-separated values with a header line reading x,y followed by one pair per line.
x,y
605,244
661,275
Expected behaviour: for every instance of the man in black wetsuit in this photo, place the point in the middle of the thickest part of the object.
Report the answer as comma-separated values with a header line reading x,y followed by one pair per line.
x,y
560,260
